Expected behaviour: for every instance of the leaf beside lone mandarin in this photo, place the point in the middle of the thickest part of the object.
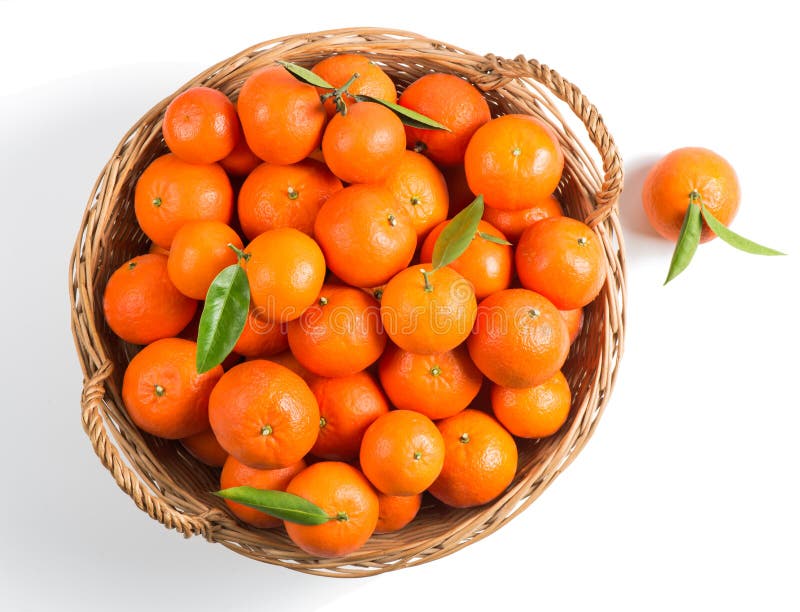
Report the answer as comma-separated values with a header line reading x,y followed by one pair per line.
x,y
688,241
734,239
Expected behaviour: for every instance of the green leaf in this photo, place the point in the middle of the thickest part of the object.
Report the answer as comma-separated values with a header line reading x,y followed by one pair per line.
x,y
224,317
407,116
494,239
457,235
734,239
306,76
688,240
282,505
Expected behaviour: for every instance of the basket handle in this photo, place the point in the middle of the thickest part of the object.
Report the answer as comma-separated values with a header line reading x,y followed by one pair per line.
x,y
500,71
127,480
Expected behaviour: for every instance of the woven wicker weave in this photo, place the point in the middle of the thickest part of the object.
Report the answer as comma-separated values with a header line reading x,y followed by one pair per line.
x,y
173,488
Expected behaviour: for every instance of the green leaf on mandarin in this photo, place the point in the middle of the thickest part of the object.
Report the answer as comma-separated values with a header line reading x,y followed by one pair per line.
x,y
457,235
305,75
280,504
688,241
407,116
223,318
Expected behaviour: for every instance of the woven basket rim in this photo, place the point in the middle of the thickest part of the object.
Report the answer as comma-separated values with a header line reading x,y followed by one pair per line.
x,y
122,451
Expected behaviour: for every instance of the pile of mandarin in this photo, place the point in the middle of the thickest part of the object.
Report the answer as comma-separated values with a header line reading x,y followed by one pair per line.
x,y
373,366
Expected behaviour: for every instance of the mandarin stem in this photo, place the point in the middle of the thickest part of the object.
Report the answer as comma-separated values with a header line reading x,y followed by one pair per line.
x,y
338,95
428,286
240,254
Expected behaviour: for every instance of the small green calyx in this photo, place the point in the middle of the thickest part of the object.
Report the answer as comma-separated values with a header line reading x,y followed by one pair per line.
x,y
266,430
342,517
464,439
160,391
415,200
293,195
392,220
533,313
436,370
157,202
322,422
323,301
417,456
131,265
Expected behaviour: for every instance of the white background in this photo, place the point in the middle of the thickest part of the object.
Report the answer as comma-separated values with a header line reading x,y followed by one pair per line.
x,y
686,496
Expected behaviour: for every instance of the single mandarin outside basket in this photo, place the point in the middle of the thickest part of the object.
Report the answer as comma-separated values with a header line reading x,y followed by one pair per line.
x,y
165,481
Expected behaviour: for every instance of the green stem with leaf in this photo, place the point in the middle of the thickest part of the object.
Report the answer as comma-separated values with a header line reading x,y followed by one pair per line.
x,y
406,115
338,95
692,227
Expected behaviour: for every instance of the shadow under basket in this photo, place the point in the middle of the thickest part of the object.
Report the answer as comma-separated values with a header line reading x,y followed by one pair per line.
x,y
170,485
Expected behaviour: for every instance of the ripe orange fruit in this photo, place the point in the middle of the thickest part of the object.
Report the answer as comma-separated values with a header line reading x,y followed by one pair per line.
x,y
487,265
513,222
396,511
340,334
199,252
420,188
264,414
564,260
237,474
428,313
171,192
241,161
367,237
574,320
346,496
457,189
438,385
371,81
204,447
520,339
285,269
363,145
454,103
162,391
666,190
282,118
480,460
261,337
533,412
287,360
201,125
284,196
402,453
157,250
347,406
514,161
141,304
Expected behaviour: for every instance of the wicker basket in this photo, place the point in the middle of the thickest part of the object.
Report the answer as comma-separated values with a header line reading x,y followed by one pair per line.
x,y
172,487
